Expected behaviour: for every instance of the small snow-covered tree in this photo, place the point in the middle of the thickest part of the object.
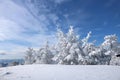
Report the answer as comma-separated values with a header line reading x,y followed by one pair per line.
x,y
44,55
110,43
30,56
38,56
115,60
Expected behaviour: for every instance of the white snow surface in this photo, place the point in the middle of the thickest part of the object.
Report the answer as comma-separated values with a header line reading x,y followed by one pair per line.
x,y
60,72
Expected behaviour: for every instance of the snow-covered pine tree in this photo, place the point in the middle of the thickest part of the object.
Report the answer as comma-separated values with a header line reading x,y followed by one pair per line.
x,y
61,51
30,56
75,52
115,60
100,56
110,45
44,55
38,56
68,48
88,49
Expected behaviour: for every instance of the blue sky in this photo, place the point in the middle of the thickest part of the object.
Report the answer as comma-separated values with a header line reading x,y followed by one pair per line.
x,y
28,23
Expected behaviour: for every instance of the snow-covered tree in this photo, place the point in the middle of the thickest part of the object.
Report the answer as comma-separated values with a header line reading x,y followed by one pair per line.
x,y
111,46
115,60
87,46
60,47
88,49
99,56
44,55
30,56
74,47
38,56
110,43
69,48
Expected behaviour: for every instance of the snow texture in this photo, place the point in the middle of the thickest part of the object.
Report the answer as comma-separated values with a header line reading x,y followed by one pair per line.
x,y
60,72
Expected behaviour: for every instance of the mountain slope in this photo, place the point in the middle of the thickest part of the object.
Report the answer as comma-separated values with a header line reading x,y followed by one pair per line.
x,y
60,72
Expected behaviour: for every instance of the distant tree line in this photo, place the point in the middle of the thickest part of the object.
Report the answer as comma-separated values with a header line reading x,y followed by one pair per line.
x,y
11,62
71,50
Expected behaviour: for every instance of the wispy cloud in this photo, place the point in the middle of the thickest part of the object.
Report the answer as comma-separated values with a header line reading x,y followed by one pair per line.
x,y
60,1
9,29
18,24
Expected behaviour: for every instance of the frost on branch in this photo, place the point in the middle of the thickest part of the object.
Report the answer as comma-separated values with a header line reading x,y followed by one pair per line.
x,y
85,40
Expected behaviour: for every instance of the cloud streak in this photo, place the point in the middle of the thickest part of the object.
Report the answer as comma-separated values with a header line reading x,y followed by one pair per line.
x,y
17,24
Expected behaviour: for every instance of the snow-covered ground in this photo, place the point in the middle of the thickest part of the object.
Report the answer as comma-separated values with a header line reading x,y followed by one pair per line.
x,y
60,72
